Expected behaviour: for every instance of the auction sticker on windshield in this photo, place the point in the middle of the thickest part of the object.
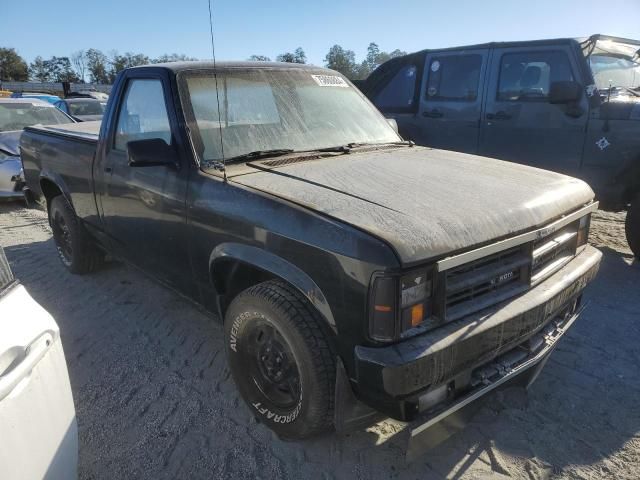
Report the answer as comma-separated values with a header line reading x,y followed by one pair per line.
x,y
330,81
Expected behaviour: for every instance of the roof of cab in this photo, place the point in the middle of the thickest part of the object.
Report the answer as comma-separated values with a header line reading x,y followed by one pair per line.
x,y
209,65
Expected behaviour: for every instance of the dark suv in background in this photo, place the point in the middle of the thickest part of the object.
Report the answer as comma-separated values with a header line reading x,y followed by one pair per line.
x,y
569,105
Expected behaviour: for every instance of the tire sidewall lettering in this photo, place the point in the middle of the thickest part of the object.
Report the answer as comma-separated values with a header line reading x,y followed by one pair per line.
x,y
274,417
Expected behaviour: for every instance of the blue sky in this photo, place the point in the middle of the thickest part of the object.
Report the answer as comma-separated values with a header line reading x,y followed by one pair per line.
x,y
269,27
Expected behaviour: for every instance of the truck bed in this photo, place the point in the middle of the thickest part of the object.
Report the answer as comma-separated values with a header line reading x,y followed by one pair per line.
x,y
63,154
85,131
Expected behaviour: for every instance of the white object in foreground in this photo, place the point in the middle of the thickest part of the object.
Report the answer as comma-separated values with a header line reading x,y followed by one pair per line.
x,y
38,429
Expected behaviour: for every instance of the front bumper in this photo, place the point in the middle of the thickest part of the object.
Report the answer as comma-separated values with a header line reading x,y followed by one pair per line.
x,y
406,379
519,366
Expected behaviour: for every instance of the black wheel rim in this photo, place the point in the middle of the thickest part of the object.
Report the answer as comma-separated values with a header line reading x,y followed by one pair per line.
x,y
62,237
272,365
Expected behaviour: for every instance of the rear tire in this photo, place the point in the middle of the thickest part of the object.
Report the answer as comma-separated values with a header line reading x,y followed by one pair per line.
x,y
75,248
281,359
632,227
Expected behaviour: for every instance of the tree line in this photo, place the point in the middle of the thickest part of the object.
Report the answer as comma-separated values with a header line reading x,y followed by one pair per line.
x,y
341,59
84,65
97,67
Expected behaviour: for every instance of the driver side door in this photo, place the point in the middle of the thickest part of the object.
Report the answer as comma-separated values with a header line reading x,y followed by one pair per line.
x,y
143,207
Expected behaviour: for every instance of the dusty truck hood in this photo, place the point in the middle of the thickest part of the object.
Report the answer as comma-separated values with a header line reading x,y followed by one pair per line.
x,y
425,203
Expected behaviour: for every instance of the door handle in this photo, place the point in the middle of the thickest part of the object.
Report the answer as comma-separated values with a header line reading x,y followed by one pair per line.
x,y
24,363
501,115
435,113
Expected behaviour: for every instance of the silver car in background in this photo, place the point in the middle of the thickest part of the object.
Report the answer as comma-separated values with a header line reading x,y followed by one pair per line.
x,y
15,114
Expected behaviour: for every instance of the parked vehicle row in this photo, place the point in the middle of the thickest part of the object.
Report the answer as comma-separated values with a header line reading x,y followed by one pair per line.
x,y
568,105
81,106
15,114
82,109
356,273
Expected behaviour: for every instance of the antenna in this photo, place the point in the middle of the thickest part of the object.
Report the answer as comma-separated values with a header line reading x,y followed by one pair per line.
x,y
215,76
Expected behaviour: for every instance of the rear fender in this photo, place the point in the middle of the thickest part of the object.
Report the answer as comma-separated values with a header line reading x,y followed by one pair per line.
x,y
52,179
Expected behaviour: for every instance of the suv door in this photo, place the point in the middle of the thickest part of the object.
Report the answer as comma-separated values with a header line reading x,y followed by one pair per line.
x,y
451,100
519,123
144,206
38,429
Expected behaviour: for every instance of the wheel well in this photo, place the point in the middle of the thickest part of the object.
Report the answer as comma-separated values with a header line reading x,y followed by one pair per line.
x,y
49,190
230,277
631,193
632,180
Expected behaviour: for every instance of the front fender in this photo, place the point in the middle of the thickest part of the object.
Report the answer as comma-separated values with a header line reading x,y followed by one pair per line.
x,y
278,267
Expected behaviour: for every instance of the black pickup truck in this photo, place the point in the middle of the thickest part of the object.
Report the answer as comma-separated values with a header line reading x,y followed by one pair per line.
x,y
355,273
568,105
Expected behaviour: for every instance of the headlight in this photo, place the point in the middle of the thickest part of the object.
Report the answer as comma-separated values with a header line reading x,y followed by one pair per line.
x,y
415,292
583,230
398,304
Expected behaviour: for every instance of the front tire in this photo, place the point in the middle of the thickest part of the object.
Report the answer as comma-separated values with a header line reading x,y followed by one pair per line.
x,y
632,227
281,360
75,248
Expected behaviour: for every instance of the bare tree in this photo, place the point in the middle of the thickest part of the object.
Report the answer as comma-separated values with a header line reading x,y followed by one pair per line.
x,y
79,61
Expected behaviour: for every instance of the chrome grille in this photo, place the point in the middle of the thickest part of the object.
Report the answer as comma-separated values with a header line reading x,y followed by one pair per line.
x,y
553,251
481,283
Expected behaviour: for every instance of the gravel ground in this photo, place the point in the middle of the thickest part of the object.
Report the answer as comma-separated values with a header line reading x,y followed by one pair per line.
x,y
154,398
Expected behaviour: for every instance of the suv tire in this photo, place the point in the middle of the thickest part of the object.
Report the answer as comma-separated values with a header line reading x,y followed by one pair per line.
x,y
632,227
75,248
281,360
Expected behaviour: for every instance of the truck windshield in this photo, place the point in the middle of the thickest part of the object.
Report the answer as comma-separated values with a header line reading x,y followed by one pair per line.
x,y
17,115
269,109
615,64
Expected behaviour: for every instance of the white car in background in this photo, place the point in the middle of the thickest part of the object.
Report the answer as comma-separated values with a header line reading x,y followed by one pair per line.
x,y
38,429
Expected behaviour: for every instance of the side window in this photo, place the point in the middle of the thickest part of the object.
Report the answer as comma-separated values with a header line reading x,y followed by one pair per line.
x,y
526,76
454,78
143,114
399,93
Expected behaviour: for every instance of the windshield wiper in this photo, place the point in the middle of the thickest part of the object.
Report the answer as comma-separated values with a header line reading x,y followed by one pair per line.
x,y
259,154
346,148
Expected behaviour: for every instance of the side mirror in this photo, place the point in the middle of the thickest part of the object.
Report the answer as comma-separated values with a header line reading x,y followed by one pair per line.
x,y
150,152
394,124
565,92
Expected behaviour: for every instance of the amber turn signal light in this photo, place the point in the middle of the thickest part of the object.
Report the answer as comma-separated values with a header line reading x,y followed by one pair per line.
x,y
417,314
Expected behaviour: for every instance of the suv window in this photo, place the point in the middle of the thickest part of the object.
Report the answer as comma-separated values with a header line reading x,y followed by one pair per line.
x,y
399,93
526,76
143,114
454,78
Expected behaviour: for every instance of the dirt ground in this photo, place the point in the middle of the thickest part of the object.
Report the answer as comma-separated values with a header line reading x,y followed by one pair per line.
x,y
154,398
